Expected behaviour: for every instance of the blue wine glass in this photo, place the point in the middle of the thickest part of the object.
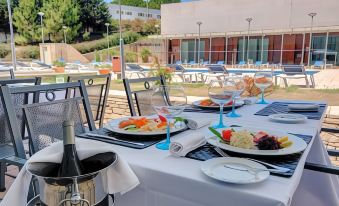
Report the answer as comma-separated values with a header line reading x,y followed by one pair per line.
x,y
239,86
263,80
169,102
220,94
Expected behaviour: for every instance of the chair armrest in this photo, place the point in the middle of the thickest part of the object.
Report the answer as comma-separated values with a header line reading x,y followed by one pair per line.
x,y
331,130
13,160
322,168
333,152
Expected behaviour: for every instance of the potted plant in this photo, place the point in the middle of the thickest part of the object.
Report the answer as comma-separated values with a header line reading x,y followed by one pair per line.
x,y
145,54
59,66
104,69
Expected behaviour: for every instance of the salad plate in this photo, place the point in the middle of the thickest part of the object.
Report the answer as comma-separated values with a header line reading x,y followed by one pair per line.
x,y
142,126
208,104
254,141
235,170
288,118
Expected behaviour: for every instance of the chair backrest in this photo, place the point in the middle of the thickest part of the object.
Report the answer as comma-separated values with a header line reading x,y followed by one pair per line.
x,y
258,63
206,62
293,69
178,62
214,69
221,62
319,63
49,113
191,62
242,63
97,87
135,67
178,68
9,71
139,93
8,135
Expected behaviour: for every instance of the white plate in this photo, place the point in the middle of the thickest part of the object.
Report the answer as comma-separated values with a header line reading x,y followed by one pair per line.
x,y
297,146
215,168
288,118
237,103
113,125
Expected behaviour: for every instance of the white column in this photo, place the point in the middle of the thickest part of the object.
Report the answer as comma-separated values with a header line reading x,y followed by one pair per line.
x,y
325,53
303,50
281,48
210,53
243,48
226,44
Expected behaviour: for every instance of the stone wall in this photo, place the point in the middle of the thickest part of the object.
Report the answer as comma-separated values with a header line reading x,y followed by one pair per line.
x,y
117,106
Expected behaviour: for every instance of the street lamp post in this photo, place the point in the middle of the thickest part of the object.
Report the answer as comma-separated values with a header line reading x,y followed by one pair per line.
x,y
107,28
248,36
41,14
121,45
199,25
64,28
312,15
12,34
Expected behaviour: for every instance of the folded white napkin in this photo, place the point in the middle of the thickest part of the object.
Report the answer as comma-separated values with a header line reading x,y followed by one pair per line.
x,y
119,178
197,122
186,142
303,107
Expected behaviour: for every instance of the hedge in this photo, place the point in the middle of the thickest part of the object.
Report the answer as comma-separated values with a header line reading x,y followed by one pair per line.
x,y
86,47
4,50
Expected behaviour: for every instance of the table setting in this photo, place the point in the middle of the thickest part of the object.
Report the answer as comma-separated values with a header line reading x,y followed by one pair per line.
x,y
178,149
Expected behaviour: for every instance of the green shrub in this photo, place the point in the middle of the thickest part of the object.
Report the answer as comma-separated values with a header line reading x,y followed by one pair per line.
x,y
86,36
31,52
131,57
21,40
145,53
90,46
4,50
97,56
58,63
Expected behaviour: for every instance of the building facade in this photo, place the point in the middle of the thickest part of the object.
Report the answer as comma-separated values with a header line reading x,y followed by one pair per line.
x,y
279,32
131,12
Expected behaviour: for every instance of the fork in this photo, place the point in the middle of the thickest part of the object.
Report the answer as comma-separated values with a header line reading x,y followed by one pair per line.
x,y
276,168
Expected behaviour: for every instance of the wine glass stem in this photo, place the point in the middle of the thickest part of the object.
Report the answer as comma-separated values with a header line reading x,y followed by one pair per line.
x,y
168,132
262,95
221,114
233,105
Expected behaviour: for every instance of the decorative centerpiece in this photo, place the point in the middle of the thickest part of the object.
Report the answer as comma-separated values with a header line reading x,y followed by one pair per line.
x,y
59,66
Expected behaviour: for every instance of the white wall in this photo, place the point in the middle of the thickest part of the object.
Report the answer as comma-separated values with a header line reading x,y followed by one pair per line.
x,y
113,8
229,15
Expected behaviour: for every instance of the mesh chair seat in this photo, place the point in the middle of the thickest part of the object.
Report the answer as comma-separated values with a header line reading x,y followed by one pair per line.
x,y
6,150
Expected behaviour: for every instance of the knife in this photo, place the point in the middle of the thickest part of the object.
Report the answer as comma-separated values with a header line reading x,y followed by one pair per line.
x,y
113,138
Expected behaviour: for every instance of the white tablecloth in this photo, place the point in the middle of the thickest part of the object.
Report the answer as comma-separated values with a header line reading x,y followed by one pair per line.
x,y
167,180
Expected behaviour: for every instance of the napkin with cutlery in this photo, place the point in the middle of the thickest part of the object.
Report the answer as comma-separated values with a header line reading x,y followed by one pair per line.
x,y
118,178
186,142
303,107
196,122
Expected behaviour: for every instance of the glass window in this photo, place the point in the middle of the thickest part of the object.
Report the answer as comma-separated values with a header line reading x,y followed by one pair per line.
x,y
158,17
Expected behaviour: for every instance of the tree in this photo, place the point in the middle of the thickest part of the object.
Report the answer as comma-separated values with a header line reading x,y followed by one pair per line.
x,y
152,4
4,14
93,13
25,19
59,13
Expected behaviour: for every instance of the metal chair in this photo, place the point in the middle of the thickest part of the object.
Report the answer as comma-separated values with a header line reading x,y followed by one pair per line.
x,y
182,73
139,93
135,69
294,72
97,89
47,116
9,71
11,144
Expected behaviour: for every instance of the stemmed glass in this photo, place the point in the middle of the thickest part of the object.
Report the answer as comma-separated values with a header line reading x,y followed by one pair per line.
x,y
239,86
168,102
263,80
220,93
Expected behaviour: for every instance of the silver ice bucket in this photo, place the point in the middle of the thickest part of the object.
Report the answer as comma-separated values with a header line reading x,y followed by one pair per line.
x,y
71,191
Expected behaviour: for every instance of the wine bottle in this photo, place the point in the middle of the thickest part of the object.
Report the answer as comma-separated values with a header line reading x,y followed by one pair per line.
x,y
70,164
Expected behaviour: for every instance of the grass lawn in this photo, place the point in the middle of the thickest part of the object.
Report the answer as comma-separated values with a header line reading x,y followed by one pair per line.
x,y
292,92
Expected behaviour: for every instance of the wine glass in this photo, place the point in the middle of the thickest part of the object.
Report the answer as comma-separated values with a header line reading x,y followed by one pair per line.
x,y
168,102
263,80
220,93
239,86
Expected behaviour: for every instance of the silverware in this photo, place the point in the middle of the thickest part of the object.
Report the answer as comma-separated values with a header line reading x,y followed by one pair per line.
x,y
276,168
113,138
248,169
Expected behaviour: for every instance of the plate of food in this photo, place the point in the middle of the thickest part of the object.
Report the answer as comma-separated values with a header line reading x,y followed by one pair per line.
x,y
209,104
143,126
254,141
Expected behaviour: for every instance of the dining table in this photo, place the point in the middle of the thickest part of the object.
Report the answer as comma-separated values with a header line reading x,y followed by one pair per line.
x,y
168,180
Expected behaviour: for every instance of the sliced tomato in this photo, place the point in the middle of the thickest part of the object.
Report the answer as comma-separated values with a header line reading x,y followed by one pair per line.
x,y
226,135
125,123
162,118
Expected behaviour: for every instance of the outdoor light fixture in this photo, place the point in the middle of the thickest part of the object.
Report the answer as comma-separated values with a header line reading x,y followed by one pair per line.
x,y
41,14
12,34
312,15
248,36
64,28
199,25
